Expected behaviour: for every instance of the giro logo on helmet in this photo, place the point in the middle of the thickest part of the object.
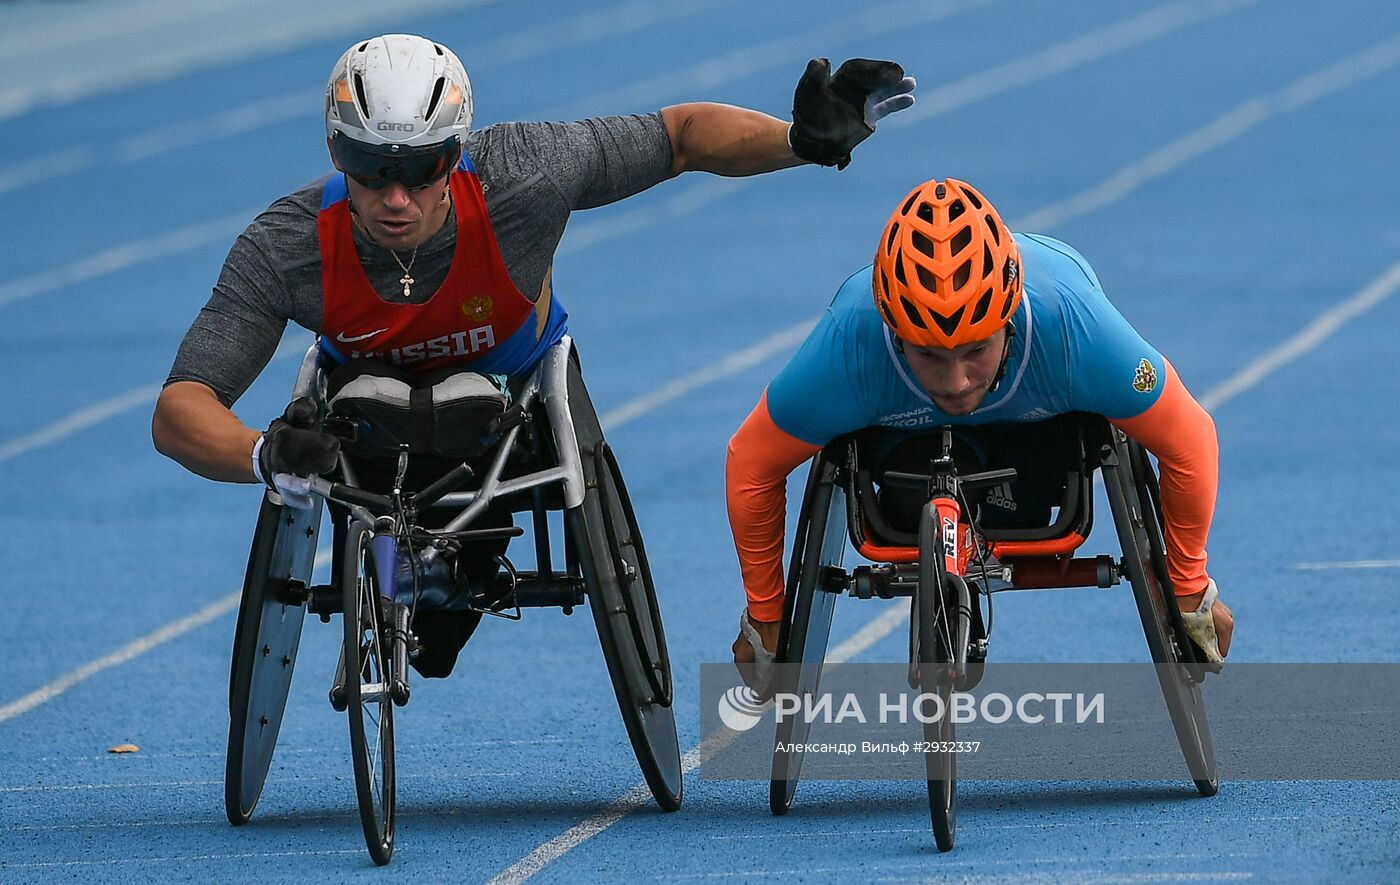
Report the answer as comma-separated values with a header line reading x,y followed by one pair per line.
x,y
387,126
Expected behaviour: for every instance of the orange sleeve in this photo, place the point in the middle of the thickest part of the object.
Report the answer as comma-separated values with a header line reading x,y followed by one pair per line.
x,y
761,455
1182,436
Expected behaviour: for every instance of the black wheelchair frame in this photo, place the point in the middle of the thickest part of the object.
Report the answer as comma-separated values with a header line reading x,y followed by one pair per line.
x,y
839,511
567,461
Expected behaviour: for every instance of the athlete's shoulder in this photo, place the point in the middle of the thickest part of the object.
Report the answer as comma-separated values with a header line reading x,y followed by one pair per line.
x,y
304,202
285,232
1049,261
854,300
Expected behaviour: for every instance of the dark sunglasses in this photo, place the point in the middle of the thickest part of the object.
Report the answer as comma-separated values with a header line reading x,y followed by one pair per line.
x,y
375,166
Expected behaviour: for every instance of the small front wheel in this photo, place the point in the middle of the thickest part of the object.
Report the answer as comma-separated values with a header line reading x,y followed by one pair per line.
x,y
934,622
367,691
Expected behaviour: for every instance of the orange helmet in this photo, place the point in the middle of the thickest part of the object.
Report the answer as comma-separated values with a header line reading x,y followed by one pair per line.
x,y
947,271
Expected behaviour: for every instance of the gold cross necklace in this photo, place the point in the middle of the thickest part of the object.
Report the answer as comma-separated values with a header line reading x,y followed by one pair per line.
x,y
407,279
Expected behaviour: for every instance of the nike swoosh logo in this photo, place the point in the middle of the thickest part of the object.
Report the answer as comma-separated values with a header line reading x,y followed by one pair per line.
x,y
340,336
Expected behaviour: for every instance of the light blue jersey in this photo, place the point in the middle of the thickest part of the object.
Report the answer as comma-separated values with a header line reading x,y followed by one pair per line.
x,y
1073,352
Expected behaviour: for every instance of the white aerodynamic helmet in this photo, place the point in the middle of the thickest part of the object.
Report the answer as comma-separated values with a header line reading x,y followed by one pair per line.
x,y
397,109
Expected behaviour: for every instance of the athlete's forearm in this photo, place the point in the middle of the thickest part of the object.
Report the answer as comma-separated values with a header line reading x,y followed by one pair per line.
x,y
761,455
192,427
1182,436
726,140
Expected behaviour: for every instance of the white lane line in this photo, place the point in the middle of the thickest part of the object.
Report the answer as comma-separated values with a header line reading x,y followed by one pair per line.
x,y
113,861
1359,563
1093,877
136,648
1062,57
79,420
1053,60
109,408
624,18
617,417
63,788
733,364
131,650
638,795
403,752
1227,127
219,230
161,51
1315,333
745,61
436,776
1076,823
1057,59
865,870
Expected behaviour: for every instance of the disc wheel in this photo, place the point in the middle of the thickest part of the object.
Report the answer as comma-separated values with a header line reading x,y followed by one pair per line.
x,y
819,546
607,542
266,639
1132,491
369,705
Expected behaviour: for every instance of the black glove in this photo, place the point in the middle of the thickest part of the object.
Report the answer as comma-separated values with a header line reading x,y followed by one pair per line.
x,y
831,115
290,445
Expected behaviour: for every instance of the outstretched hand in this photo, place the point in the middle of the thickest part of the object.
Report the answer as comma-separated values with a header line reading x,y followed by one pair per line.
x,y
833,114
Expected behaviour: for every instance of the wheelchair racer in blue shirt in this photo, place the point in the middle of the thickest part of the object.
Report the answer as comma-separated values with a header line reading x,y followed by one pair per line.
x,y
960,322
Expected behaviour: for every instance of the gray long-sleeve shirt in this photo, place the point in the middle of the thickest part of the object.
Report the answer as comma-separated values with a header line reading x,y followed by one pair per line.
x,y
533,176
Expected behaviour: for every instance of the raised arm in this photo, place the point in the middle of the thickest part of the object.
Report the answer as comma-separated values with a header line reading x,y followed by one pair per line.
x,y
831,114
726,140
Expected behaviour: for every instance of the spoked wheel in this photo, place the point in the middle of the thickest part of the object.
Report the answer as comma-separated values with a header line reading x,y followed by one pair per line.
x,y
1132,493
369,703
934,623
819,545
265,643
604,535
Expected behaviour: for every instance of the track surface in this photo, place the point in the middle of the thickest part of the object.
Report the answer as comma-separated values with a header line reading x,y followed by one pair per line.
x,y
1228,167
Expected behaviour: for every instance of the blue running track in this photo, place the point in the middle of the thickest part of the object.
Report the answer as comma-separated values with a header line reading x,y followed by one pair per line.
x,y
1229,166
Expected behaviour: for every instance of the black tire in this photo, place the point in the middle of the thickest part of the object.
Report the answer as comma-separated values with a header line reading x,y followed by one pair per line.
x,y
1132,493
819,544
369,705
933,616
607,542
265,643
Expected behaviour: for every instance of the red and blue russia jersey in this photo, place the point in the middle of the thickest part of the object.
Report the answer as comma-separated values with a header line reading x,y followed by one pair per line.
x,y
477,318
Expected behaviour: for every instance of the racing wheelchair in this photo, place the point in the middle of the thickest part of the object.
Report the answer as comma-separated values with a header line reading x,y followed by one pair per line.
x,y
543,452
951,564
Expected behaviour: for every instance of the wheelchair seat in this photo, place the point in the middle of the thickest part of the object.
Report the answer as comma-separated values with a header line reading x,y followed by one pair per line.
x,y
883,525
451,414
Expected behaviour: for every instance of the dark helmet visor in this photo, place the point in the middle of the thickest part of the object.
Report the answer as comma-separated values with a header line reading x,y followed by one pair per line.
x,y
375,165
